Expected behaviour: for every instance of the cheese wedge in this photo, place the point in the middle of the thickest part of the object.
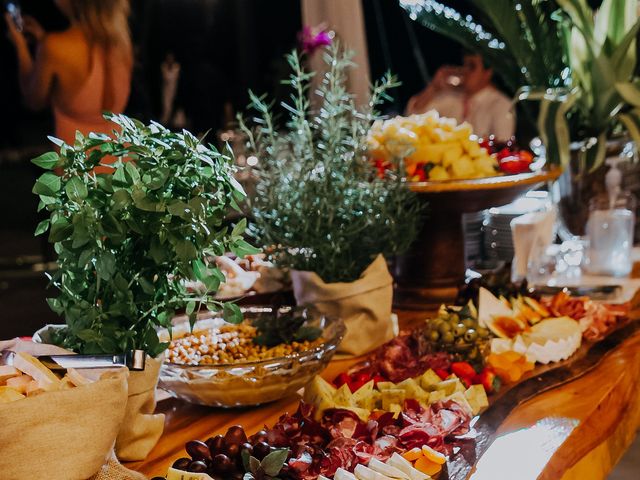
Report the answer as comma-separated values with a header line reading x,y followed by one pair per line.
x,y
342,474
8,394
31,366
489,307
397,461
6,372
377,466
365,473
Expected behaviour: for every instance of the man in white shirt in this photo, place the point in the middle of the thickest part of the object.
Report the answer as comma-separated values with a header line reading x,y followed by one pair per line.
x,y
467,94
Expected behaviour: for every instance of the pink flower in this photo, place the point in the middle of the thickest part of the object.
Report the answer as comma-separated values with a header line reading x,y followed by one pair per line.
x,y
312,38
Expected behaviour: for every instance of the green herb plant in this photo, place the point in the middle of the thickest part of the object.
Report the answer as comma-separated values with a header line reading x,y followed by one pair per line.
x,y
319,205
286,326
127,240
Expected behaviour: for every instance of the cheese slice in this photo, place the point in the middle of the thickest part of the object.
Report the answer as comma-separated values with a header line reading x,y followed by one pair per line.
x,y
388,470
6,372
174,474
32,366
8,394
342,474
398,461
489,307
365,473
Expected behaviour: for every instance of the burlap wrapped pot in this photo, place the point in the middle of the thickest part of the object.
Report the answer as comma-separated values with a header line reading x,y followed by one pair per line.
x,y
364,305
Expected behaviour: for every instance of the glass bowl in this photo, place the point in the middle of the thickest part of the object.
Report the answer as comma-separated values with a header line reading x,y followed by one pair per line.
x,y
250,383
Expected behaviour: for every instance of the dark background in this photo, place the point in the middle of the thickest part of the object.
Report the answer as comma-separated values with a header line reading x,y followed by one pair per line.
x,y
224,47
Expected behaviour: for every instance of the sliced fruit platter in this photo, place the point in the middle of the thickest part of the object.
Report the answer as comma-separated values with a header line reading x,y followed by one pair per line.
x,y
411,407
435,148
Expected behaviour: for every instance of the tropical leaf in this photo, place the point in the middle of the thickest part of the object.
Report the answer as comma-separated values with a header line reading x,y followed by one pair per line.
x,y
631,121
470,34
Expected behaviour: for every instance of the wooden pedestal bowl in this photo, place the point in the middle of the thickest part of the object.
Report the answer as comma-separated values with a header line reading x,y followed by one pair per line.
x,y
433,268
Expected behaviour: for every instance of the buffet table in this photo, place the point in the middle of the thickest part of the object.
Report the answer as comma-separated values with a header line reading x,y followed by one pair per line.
x,y
576,431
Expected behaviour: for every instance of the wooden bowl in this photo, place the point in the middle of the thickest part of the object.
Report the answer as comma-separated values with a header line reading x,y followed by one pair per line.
x,y
433,268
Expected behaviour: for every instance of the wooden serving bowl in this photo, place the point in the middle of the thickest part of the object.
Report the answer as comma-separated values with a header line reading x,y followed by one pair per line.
x,y
433,268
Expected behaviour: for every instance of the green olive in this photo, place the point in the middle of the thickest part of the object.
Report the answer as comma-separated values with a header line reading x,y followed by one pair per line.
x,y
447,338
469,323
454,318
483,332
459,330
434,336
471,335
444,328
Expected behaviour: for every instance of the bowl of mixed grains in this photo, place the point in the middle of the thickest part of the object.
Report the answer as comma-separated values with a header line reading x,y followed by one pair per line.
x,y
269,356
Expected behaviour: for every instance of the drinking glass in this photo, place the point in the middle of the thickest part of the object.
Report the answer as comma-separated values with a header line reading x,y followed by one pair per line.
x,y
609,235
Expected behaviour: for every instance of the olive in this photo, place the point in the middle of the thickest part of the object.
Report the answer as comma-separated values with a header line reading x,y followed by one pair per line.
x,y
483,332
471,335
246,447
235,435
197,466
182,464
444,328
469,323
198,450
260,436
233,450
459,330
454,318
221,464
434,336
217,445
261,450
447,338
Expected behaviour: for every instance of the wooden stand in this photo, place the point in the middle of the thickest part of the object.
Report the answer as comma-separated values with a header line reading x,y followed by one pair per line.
x,y
433,268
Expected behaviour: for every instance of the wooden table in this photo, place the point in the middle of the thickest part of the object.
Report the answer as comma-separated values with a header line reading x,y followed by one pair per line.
x,y
577,431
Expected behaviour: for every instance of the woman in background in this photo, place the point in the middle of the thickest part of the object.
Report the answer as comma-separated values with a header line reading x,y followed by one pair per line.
x,y
82,71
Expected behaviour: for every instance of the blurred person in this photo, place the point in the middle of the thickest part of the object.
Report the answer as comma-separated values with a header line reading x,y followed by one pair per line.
x,y
81,71
467,93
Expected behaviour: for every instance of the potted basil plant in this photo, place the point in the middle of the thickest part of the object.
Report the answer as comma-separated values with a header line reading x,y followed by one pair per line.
x,y
320,207
128,240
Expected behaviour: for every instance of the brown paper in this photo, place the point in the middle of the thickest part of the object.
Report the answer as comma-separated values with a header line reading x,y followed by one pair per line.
x,y
364,305
141,429
65,434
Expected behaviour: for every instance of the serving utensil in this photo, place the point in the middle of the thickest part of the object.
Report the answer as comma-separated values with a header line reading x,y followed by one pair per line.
x,y
133,360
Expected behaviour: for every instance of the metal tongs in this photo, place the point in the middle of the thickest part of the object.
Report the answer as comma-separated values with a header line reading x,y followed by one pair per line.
x,y
133,360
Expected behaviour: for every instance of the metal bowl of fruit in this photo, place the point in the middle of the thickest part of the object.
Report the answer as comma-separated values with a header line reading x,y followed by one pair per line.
x,y
269,356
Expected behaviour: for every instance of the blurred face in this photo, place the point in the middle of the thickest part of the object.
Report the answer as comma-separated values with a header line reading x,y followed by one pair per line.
x,y
476,77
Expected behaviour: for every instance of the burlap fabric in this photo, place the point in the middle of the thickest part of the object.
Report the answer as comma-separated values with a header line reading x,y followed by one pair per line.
x,y
65,434
141,428
364,305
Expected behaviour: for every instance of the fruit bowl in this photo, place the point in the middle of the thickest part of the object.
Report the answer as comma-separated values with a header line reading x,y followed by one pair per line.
x,y
433,268
250,383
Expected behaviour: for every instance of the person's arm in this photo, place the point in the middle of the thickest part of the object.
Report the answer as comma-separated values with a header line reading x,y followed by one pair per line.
x,y
36,75
439,84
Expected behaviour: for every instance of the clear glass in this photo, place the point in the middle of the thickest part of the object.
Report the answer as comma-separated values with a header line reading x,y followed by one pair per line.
x,y
609,235
250,383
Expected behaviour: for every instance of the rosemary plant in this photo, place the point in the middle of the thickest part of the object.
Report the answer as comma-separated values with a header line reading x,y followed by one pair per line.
x,y
320,205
